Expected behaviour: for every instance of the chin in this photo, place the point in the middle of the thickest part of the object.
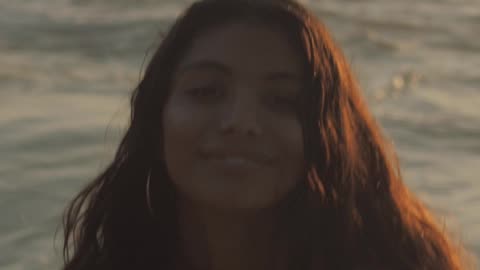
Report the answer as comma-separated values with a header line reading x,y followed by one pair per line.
x,y
234,194
241,204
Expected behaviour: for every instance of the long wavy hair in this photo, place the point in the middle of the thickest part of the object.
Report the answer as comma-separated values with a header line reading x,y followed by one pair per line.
x,y
351,210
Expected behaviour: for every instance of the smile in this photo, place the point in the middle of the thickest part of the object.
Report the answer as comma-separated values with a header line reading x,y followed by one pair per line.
x,y
236,161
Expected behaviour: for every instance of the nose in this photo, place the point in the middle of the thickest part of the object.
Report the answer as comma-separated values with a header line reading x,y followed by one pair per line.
x,y
240,116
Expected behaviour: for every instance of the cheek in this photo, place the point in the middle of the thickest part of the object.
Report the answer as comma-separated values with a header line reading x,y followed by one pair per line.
x,y
181,135
286,141
290,143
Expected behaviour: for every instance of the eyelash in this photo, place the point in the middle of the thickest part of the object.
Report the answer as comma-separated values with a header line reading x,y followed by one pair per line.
x,y
203,92
284,102
207,93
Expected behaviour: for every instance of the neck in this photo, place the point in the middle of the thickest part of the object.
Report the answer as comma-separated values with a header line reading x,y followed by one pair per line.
x,y
229,239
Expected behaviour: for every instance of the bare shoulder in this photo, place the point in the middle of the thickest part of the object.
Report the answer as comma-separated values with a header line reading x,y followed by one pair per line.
x,y
371,268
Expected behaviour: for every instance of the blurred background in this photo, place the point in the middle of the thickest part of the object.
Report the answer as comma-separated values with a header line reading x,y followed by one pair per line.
x,y
67,68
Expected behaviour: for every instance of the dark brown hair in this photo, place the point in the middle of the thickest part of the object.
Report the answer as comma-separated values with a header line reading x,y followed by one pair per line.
x,y
352,209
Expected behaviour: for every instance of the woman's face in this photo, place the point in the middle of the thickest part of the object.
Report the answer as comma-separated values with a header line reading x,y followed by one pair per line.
x,y
232,136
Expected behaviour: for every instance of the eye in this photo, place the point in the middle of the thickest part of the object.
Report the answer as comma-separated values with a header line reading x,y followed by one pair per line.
x,y
204,92
284,103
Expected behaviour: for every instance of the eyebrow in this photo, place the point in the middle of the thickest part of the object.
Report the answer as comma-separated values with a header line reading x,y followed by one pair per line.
x,y
205,64
218,66
282,75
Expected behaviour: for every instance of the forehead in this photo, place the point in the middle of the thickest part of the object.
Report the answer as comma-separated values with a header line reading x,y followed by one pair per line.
x,y
245,48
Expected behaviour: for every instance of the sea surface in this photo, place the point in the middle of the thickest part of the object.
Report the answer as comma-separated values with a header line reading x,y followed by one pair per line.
x,y
67,68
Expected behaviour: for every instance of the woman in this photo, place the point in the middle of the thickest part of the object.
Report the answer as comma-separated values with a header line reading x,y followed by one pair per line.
x,y
250,147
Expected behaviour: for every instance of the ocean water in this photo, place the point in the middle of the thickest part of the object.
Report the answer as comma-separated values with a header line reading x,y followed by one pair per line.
x,y
67,68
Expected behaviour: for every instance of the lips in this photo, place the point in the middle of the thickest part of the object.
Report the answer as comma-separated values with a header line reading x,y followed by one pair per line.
x,y
236,157
235,161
